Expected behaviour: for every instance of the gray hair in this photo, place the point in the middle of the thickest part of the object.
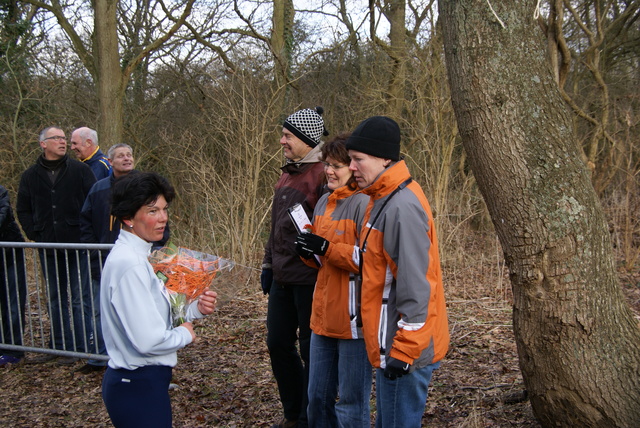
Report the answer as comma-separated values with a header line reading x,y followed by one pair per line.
x,y
113,148
44,131
88,134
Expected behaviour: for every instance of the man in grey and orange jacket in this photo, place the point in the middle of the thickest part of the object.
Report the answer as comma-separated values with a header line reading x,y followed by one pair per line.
x,y
402,301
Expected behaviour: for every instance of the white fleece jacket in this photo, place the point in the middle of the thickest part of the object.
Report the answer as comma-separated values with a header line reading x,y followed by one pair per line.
x,y
135,309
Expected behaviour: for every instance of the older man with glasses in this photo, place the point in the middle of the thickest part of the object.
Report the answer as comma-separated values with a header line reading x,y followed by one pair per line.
x,y
50,196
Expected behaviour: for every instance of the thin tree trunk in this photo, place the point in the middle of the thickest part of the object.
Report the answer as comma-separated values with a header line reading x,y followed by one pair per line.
x,y
395,12
281,47
578,343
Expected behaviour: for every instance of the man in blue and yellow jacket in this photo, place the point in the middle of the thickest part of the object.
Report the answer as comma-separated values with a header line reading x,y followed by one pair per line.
x,y
84,143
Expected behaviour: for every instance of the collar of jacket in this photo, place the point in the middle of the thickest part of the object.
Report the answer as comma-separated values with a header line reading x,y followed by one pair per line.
x,y
138,244
313,156
92,154
343,192
53,165
112,178
388,180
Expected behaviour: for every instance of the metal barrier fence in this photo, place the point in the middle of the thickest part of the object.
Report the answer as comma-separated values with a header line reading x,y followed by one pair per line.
x,y
48,300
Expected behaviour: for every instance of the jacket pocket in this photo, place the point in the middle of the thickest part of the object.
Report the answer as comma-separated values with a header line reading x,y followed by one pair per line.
x,y
73,222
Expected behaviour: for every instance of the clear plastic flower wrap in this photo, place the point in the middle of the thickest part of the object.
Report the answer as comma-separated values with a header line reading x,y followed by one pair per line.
x,y
186,275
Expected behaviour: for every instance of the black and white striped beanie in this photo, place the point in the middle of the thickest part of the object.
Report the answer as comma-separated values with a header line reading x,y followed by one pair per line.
x,y
308,125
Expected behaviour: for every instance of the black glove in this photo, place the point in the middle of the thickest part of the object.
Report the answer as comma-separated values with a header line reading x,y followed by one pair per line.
x,y
306,254
396,368
310,243
266,278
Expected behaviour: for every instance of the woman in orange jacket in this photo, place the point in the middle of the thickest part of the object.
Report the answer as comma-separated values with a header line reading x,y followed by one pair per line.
x,y
338,367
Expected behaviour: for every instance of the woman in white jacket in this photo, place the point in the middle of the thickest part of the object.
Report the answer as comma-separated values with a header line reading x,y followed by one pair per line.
x,y
136,314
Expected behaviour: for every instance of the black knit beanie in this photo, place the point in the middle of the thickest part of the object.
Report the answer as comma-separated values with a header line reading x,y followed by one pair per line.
x,y
377,136
308,125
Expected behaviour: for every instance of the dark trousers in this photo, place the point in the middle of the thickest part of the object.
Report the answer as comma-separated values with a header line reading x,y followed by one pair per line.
x,y
288,316
92,308
13,294
138,398
61,270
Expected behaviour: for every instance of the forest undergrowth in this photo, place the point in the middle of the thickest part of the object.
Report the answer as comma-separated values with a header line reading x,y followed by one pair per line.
x,y
225,379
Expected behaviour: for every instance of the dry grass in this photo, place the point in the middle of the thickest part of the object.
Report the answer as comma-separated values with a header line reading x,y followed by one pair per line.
x,y
225,378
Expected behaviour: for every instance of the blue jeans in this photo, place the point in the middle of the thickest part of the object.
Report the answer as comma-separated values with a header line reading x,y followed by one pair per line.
x,y
64,283
400,402
13,294
339,368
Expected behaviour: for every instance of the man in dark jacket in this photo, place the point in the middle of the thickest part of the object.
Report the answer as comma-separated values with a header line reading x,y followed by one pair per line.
x,y
96,223
288,281
13,283
50,197
98,226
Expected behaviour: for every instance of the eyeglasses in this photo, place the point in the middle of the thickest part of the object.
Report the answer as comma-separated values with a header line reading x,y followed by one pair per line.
x,y
332,166
56,138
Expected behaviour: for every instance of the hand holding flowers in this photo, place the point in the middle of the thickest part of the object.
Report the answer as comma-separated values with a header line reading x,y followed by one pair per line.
x,y
207,302
187,275
189,327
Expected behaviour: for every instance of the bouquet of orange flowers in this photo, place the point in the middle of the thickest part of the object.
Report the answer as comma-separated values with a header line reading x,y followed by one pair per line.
x,y
186,275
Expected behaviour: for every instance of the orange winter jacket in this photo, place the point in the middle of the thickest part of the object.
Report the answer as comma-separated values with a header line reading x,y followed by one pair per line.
x,y
403,306
337,218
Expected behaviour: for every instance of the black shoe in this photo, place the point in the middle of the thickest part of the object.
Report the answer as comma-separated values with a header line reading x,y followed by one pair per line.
x,y
40,359
90,368
66,361
285,423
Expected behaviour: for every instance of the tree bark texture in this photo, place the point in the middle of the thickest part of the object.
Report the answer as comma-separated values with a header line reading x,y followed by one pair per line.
x,y
282,48
109,73
578,342
394,10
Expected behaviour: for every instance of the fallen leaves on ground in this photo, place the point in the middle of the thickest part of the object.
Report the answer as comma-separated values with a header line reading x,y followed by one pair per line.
x,y
225,379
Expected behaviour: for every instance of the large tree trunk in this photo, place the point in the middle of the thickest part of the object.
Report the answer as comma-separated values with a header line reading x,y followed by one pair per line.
x,y
109,77
578,343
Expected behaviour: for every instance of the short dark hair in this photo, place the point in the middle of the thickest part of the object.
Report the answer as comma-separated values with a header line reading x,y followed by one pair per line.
x,y
133,191
336,149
